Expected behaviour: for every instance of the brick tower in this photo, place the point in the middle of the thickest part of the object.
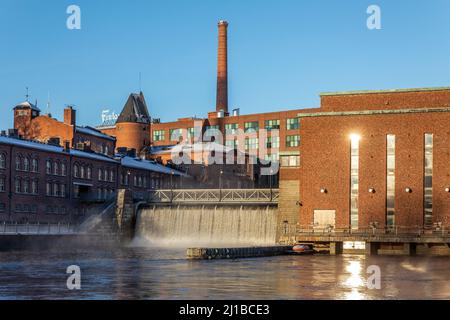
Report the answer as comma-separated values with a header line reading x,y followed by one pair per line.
x,y
133,124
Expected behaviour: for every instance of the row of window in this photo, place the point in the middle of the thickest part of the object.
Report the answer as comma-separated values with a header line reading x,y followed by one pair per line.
x,y
56,210
105,193
140,181
26,208
56,168
55,189
106,175
24,186
230,128
271,142
85,172
24,163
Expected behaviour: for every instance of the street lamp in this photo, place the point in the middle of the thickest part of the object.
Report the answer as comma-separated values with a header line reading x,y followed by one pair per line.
x,y
171,185
220,185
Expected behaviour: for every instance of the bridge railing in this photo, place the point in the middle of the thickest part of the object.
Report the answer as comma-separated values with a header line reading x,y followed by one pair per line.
x,y
214,195
13,228
396,231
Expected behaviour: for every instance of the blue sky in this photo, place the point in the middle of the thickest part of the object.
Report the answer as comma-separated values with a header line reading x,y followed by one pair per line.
x,y
282,53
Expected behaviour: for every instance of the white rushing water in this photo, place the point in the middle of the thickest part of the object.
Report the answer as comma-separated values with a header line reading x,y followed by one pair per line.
x,y
207,226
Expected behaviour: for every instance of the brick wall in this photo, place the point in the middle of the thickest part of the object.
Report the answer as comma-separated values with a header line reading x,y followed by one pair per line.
x,y
325,163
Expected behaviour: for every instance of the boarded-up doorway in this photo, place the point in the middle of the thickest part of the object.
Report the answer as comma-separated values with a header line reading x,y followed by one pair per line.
x,y
324,219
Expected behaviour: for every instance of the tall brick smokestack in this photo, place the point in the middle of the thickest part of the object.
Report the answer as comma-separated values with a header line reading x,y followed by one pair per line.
x,y
222,69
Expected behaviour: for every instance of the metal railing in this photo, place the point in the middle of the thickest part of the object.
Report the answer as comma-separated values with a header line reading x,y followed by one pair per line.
x,y
397,231
14,228
214,195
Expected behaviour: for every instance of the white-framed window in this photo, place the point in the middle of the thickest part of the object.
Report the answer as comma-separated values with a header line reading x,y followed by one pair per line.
x,y
159,135
293,141
272,124
252,126
292,124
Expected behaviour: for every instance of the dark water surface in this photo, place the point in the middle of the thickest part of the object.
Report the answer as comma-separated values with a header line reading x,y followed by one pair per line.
x,y
151,273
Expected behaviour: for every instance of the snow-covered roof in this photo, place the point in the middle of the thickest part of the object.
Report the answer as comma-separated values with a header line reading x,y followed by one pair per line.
x,y
94,132
93,156
30,144
189,148
148,165
27,104
55,149
125,161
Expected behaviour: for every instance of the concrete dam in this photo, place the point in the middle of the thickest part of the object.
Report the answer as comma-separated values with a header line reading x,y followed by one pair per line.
x,y
224,225
209,217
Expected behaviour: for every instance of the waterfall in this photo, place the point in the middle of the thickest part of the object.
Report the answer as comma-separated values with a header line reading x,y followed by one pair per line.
x,y
207,225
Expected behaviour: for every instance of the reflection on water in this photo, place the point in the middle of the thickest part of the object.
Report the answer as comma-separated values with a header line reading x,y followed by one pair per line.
x,y
152,273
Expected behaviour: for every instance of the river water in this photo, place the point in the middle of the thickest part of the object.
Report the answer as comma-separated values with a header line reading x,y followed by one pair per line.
x,y
162,273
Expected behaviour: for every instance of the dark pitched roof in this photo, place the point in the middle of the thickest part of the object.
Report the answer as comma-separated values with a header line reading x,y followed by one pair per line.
x,y
26,105
135,110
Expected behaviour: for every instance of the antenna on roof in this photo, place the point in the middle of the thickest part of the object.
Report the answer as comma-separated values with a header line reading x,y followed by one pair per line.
x,y
140,81
48,103
27,96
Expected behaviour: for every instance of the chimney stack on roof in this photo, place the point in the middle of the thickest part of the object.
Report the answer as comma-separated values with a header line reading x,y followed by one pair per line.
x,y
70,116
222,69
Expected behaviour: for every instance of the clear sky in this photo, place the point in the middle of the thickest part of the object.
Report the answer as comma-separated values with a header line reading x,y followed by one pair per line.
x,y
282,53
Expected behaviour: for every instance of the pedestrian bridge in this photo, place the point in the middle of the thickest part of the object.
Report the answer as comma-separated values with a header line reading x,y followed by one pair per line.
x,y
208,196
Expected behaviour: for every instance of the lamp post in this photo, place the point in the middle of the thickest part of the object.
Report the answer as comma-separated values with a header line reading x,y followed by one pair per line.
x,y
220,185
171,185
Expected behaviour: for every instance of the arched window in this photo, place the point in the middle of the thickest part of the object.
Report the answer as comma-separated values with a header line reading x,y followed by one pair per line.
x,y
76,171
34,165
106,150
26,164
62,190
18,162
56,168
82,171
55,189
111,176
18,185
2,161
48,166
34,187
63,169
48,189
26,186
105,175
100,174
88,173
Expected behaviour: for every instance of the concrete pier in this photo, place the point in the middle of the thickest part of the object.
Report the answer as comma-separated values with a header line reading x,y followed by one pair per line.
x,y
235,253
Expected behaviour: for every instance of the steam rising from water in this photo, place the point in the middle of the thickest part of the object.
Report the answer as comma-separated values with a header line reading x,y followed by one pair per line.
x,y
190,226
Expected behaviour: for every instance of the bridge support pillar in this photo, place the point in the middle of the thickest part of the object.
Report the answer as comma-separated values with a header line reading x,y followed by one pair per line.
x,y
409,249
125,214
372,248
336,248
